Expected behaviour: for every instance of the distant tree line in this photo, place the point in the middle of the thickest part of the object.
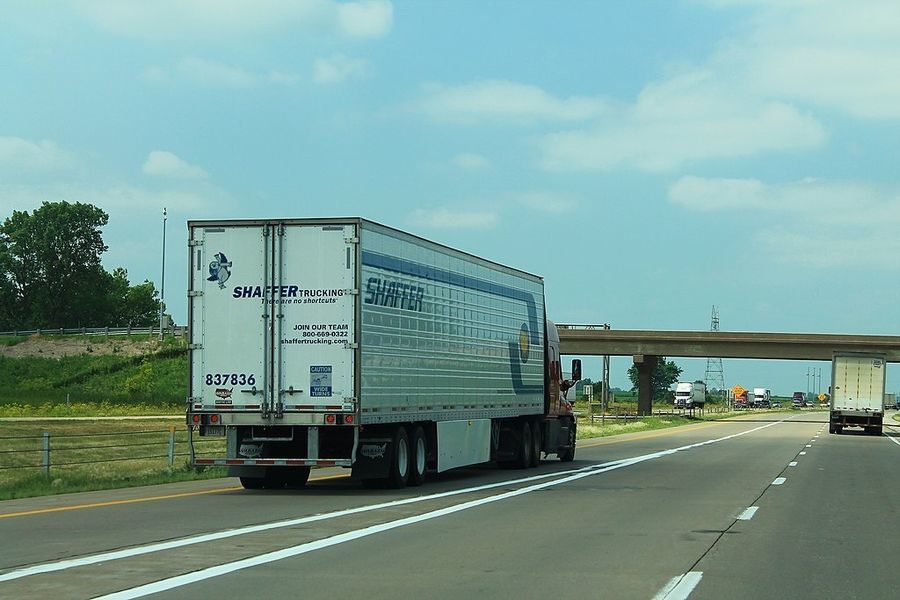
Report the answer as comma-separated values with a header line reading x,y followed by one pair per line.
x,y
51,275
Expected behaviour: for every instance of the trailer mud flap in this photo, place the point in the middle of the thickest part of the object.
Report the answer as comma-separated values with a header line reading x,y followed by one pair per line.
x,y
373,459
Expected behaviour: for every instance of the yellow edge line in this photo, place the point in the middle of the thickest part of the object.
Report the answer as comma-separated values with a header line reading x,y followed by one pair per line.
x,y
136,500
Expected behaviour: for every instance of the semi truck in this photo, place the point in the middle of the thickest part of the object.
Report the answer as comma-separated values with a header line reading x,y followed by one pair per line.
x,y
741,400
690,394
857,392
346,343
762,398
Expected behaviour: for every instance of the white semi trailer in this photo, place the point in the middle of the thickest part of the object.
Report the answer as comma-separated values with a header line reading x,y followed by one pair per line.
x,y
342,342
857,392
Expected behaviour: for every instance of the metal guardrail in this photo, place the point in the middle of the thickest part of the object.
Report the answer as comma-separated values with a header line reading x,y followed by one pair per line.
x,y
35,451
180,330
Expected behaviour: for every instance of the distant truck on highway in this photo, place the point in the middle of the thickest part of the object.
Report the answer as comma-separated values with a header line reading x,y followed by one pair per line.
x,y
741,400
342,342
762,398
857,392
690,394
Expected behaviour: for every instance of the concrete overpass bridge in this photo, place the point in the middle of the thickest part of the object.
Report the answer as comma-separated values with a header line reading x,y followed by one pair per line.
x,y
647,346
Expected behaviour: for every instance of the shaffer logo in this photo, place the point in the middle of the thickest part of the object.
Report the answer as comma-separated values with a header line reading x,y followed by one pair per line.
x,y
224,392
219,269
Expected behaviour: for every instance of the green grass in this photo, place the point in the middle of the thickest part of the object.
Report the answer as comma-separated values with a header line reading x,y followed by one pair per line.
x,y
12,340
158,379
94,455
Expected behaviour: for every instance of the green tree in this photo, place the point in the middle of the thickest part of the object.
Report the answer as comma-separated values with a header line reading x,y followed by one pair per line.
x,y
51,275
665,374
52,258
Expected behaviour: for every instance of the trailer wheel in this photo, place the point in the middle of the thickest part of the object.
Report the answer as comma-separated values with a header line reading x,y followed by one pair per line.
x,y
399,473
838,429
296,477
253,483
417,460
526,446
831,428
535,443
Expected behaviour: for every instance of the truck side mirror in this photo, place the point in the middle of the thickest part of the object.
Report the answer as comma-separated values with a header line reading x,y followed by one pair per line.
x,y
576,369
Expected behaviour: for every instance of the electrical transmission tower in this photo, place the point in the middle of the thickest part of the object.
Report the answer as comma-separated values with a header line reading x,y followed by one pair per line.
x,y
715,374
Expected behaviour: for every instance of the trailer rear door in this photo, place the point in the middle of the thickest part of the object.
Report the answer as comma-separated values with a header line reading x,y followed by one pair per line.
x,y
272,317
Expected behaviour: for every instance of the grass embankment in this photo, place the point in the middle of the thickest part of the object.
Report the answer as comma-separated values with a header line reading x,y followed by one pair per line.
x,y
95,455
114,383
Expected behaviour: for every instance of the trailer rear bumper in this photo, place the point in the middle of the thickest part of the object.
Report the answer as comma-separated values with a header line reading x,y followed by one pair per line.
x,y
271,462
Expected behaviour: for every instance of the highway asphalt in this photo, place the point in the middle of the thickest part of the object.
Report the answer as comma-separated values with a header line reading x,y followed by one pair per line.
x,y
764,506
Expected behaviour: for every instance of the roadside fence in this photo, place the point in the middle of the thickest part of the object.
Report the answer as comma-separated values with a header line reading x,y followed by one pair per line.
x,y
157,449
177,331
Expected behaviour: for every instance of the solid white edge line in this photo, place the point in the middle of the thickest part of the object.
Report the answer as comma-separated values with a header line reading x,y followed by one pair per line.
x,y
893,439
161,546
779,481
748,513
679,588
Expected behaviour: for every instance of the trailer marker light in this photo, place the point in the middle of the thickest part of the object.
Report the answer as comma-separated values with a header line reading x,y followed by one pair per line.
x,y
195,418
348,419
213,418
329,419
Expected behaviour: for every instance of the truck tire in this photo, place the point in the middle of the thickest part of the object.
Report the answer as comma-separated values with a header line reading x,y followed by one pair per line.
x,y
399,473
419,457
526,446
831,428
253,483
296,477
536,439
568,455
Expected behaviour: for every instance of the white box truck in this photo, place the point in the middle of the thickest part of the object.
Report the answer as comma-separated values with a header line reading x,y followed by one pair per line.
x,y
342,342
857,392
690,394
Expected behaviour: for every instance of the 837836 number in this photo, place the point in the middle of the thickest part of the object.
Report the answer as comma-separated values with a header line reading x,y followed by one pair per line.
x,y
230,379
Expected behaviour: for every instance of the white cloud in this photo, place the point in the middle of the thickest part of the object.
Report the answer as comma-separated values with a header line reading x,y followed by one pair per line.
x,y
166,164
548,202
365,19
810,222
470,161
687,118
444,218
18,154
204,72
210,20
338,68
504,101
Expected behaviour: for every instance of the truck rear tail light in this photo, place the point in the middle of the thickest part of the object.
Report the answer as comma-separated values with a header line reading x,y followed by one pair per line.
x,y
213,418
348,419
195,418
329,419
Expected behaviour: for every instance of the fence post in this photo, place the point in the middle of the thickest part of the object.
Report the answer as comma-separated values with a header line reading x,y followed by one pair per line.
x,y
45,454
171,446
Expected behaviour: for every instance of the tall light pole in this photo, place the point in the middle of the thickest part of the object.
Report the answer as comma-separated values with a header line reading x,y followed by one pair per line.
x,y
162,282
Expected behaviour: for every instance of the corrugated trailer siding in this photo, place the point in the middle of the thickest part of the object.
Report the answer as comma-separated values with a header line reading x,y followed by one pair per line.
x,y
444,334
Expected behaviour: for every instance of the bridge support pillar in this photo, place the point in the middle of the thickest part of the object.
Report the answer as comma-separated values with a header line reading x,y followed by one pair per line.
x,y
646,365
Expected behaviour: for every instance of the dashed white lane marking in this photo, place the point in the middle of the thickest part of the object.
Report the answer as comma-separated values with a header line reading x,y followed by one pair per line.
x,y
793,463
779,481
680,587
803,453
748,514
809,445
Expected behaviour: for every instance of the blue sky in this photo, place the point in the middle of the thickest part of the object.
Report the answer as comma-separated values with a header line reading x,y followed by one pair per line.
x,y
648,159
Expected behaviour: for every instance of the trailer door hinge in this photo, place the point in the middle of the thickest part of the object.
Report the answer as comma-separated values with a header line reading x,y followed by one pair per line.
x,y
351,240
352,292
195,243
195,346
195,293
351,346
